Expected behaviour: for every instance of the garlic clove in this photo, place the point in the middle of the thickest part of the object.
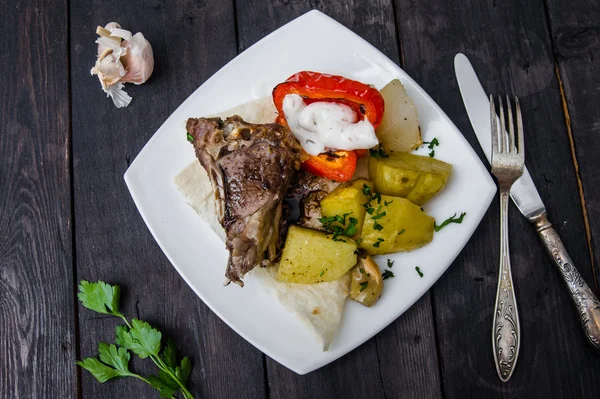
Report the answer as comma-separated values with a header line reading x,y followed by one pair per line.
x,y
106,32
109,69
139,59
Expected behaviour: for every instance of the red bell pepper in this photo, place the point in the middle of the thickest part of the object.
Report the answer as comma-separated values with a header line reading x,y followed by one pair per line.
x,y
365,100
335,165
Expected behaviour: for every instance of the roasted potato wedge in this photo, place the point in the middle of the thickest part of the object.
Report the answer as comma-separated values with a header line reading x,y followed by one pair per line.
x,y
311,256
347,199
395,225
414,177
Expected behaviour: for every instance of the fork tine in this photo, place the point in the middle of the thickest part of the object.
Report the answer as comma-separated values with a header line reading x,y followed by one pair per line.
x,y
502,134
521,142
494,123
511,128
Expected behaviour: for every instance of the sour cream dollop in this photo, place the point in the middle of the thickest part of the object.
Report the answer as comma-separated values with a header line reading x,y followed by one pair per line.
x,y
321,126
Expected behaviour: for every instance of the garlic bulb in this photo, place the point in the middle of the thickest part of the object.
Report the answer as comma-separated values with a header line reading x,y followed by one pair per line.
x,y
122,57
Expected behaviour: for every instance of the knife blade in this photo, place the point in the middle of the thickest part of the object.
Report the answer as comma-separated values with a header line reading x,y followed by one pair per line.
x,y
529,202
524,193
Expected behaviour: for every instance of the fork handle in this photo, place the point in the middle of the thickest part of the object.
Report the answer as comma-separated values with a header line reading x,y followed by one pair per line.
x,y
506,334
586,302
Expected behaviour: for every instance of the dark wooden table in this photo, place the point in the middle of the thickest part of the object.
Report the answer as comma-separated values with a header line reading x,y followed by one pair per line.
x,y
66,215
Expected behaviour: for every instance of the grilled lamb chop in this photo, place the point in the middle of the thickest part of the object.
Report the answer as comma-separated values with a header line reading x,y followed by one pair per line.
x,y
250,167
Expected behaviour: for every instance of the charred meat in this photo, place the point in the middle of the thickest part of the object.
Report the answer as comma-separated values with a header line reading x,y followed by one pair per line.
x,y
250,167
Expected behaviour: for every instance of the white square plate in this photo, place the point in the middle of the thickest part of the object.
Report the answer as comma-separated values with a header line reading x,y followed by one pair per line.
x,y
319,44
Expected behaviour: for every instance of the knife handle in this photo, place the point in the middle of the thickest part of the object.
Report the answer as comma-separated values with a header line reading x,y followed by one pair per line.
x,y
586,302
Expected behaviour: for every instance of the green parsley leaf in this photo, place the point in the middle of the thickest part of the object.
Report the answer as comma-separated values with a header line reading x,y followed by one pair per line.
x,y
377,226
451,219
388,202
141,339
322,273
184,370
379,241
363,285
387,274
118,358
99,370
390,263
432,143
378,152
169,354
377,197
431,146
190,138
359,240
164,383
418,269
366,190
327,220
378,216
100,297
370,210
401,231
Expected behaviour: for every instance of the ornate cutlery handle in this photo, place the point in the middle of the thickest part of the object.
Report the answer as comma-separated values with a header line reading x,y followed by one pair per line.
x,y
506,335
586,302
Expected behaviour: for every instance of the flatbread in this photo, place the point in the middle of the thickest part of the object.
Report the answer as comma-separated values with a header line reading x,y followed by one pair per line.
x,y
318,306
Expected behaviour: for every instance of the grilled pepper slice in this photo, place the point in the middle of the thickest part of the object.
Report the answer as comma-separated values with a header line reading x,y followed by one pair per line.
x,y
364,100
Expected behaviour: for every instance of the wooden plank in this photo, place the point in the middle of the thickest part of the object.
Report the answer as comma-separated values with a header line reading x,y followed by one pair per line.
x,y
575,33
37,319
191,40
380,367
509,45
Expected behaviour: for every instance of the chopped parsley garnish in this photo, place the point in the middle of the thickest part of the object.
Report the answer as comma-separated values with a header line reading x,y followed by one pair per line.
x,y
359,240
377,226
363,285
431,146
386,203
362,270
378,152
370,210
377,197
342,229
190,138
366,190
322,273
378,216
387,274
418,269
401,231
379,241
451,219
390,263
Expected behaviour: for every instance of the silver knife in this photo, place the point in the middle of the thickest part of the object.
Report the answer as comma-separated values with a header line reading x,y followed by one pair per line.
x,y
526,197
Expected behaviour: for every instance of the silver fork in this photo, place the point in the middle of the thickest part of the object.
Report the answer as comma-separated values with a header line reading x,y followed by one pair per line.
x,y
508,162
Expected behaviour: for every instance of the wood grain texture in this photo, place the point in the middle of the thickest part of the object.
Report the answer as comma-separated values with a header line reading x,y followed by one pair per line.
x,y
191,40
508,45
37,320
397,362
575,34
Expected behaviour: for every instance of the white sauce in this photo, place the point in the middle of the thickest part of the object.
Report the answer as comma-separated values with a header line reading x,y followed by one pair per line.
x,y
321,126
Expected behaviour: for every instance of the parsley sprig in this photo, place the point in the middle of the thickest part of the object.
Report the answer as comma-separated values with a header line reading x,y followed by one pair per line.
x,y
138,337
451,219
431,146
387,274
